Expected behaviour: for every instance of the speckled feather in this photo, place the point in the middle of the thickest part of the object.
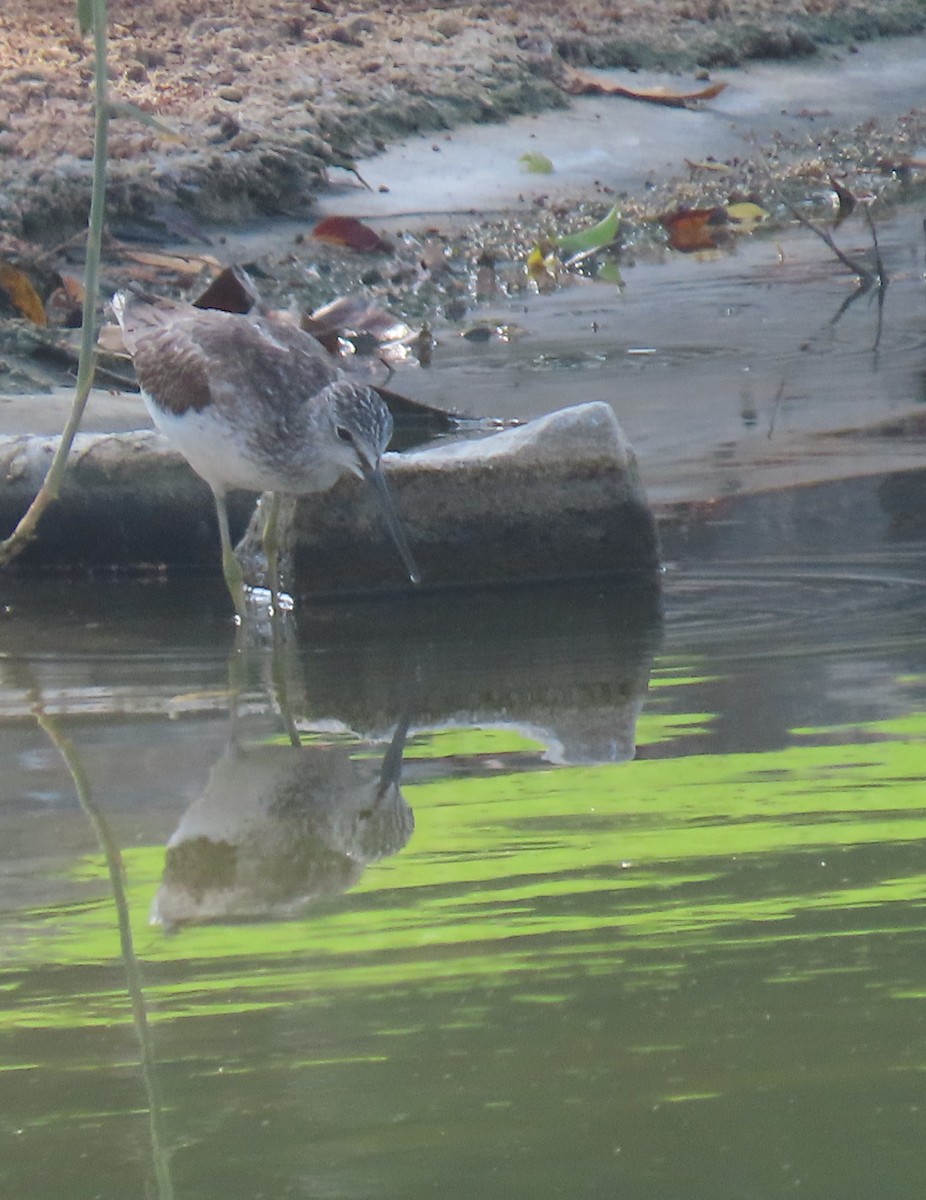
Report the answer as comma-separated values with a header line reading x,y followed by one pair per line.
x,y
250,401
205,357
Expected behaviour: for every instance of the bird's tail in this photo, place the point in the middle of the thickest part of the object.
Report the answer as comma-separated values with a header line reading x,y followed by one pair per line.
x,y
139,312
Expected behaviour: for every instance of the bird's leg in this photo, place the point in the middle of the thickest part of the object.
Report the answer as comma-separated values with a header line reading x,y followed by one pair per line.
x,y
271,542
278,676
231,568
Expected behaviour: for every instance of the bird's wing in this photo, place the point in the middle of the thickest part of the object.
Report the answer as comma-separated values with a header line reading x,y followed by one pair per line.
x,y
188,357
263,357
306,364
174,368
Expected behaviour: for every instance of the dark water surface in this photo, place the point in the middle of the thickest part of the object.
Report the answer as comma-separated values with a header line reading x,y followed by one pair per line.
x,y
546,968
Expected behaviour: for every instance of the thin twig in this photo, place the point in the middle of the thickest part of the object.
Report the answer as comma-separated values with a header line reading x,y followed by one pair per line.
x,y
115,868
876,346
776,405
857,268
879,261
51,486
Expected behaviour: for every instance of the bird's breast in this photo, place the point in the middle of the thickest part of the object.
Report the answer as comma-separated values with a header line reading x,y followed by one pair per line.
x,y
230,451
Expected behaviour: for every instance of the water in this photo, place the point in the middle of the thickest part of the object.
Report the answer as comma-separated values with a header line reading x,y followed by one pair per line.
x,y
725,373
626,145
646,917
697,971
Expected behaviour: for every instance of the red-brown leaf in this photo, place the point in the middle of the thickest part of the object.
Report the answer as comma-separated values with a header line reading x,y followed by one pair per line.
x,y
693,229
233,291
350,233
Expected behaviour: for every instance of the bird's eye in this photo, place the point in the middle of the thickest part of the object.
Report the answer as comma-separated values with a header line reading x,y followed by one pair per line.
x,y
343,434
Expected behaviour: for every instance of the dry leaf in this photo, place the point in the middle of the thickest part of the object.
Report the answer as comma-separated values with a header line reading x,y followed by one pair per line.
x,y
846,201
111,341
577,83
708,164
350,316
350,233
180,264
65,305
693,229
745,215
233,290
23,296
73,289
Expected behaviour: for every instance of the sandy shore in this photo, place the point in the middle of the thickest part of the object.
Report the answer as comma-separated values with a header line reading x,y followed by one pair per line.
x,y
255,102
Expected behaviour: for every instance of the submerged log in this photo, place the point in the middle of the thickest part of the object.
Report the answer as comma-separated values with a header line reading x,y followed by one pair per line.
x,y
557,498
128,501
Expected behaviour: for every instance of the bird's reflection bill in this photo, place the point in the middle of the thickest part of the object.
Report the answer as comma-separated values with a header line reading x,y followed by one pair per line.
x,y
377,481
390,774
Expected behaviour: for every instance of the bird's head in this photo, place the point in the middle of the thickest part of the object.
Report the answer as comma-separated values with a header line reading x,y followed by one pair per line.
x,y
359,427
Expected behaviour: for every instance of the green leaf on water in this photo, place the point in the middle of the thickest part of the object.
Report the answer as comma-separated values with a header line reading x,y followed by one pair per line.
x,y
587,241
610,272
85,15
536,164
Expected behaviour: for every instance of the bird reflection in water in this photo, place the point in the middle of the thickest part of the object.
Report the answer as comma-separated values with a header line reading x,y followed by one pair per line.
x,y
279,826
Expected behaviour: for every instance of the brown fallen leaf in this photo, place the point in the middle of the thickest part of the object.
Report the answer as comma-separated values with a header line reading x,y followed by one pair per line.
x,y
354,313
65,304
233,290
22,295
352,317
577,83
845,199
180,264
708,165
111,341
693,229
349,233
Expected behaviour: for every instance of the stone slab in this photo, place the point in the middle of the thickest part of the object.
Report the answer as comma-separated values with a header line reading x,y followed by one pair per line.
x,y
557,498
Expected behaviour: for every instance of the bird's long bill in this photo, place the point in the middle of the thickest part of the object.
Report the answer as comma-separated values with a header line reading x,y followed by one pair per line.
x,y
377,481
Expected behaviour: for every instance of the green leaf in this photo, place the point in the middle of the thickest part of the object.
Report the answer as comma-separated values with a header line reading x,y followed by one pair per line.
x,y
586,241
536,164
610,272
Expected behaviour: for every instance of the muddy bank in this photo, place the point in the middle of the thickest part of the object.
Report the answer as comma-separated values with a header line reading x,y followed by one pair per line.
x,y
255,104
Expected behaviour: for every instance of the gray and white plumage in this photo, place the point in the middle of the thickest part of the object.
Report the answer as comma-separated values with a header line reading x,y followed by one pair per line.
x,y
254,402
